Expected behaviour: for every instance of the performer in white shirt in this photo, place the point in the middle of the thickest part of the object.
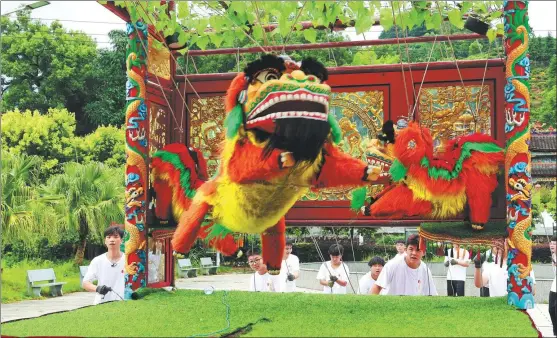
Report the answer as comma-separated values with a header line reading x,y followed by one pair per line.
x,y
375,264
333,274
290,268
406,277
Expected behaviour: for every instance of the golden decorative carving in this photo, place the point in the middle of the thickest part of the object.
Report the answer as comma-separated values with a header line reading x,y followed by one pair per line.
x,y
360,117
158,61
207,128
157,127
447,114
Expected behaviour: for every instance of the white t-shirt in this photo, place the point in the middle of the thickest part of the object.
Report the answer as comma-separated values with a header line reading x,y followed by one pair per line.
x,y
497,279
265,283
366,282
457,272
399,279
341,272
289,265
101,270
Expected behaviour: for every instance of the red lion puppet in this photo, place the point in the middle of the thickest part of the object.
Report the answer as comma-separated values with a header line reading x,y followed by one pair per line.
x,y
439,187
280,142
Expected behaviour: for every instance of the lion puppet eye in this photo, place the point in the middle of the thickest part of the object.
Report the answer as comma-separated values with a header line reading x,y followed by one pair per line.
x,y
411,144
267,75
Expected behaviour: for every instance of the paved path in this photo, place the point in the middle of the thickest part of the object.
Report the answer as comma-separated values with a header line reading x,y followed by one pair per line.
x,y
238,282
540,316
76,300
36,308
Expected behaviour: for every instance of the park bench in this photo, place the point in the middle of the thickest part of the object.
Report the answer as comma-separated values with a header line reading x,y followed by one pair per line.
x,y
207,264
186,269
34,276
82,273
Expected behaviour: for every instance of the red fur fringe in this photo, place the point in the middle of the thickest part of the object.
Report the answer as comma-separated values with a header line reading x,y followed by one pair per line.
x,y
340,169
273,242
188,227
399,203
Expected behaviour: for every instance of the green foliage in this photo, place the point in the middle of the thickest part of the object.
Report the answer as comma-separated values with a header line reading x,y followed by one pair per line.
x,y
44,66
93,196
238,18
108,80
105,145
293,314
544,199
25,213
49,136
544,87
14,287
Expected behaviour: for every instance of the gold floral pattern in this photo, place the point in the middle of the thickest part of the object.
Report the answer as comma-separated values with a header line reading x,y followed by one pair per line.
x,y
158,61
450,111
207,128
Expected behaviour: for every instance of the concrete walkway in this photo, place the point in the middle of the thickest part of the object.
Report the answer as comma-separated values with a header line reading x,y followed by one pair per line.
x,y
36,308
540,316
76,300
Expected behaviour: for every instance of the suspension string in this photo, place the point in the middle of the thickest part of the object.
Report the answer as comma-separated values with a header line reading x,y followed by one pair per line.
x,y
292,27
342,262
401,65
423,78
354,257
478,99
408,55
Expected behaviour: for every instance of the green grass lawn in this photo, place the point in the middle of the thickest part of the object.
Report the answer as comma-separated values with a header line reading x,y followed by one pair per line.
x,y
14,286
191,313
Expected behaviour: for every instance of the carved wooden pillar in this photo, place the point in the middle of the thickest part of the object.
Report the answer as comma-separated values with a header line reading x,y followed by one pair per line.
x,y
137,147
517,159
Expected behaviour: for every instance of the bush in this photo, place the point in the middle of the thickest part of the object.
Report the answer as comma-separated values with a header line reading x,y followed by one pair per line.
x,y
106,145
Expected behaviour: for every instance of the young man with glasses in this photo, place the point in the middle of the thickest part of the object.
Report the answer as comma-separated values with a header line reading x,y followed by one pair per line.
x,y
290,268
406,277
107,269
333,274
261,280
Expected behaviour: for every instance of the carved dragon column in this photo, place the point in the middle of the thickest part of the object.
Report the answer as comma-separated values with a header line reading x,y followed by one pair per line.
x,y
136,157
517,158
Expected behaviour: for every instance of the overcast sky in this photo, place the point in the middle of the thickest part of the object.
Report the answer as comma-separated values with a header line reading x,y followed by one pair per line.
x,y
96,21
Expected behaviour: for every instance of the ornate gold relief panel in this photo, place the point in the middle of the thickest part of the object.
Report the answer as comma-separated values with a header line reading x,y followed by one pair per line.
x,y
207,128
360,116
157,127
158,61
450,111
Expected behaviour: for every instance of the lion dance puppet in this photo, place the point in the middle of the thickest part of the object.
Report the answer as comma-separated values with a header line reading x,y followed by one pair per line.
x,y
436,186
280,142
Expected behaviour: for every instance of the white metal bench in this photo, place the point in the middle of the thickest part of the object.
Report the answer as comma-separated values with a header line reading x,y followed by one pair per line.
x,y
208,265
186,269
34,276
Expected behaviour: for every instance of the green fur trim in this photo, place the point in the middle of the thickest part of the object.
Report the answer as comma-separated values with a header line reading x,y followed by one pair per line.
x,y
234,121
358,199
465,153
174,159
335,129
218,230
398,170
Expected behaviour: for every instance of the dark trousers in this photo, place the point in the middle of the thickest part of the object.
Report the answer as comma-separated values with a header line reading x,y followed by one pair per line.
x,y
553,310
484,291
455,288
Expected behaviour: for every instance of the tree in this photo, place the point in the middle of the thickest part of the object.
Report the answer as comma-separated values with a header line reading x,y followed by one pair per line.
x,y
107,102
24,212
49,136
94,196
106,145
45,66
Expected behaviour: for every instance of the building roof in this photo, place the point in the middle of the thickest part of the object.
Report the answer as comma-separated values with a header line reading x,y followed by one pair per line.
x,y
544,142
544,169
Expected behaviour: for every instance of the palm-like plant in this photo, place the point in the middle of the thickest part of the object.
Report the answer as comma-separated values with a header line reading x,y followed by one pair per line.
x,y
24,211
93,195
